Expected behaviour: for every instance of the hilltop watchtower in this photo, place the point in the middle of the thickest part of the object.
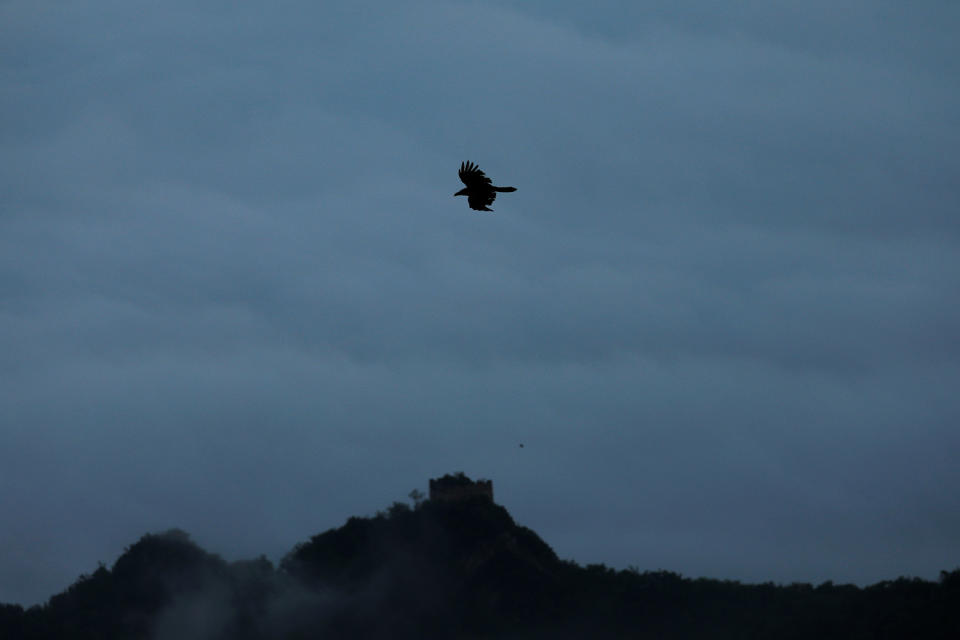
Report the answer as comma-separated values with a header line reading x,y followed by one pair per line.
x,y
457,487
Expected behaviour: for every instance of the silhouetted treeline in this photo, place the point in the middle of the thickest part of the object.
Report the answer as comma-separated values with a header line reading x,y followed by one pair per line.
x,y
456,570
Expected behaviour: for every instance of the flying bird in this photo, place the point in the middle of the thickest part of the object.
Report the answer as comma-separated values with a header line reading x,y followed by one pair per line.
x,y
479,190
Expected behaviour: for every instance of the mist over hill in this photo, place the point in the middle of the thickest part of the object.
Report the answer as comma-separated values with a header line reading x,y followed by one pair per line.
x,y
455,566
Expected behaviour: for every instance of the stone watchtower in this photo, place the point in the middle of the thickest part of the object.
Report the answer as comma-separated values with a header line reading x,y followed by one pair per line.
x,y
456,487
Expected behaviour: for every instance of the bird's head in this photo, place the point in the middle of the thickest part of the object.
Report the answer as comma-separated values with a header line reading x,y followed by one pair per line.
x,y
462,192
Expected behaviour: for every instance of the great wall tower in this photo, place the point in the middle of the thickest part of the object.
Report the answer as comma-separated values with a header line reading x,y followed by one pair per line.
x,y
457,487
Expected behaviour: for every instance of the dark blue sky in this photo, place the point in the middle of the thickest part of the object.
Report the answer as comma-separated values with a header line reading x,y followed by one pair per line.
x,y
721,311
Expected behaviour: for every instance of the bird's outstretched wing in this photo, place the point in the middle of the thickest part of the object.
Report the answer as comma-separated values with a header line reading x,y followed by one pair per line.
x,y
471,176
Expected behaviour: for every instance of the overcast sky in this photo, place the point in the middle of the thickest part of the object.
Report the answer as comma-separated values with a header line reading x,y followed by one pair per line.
x,y
721,312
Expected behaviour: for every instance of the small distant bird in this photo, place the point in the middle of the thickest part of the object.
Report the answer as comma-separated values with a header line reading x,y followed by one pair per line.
x,y
521,445
479,191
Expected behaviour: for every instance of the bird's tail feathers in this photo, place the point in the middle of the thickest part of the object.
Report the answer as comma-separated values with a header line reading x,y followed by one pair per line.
x,y
504,189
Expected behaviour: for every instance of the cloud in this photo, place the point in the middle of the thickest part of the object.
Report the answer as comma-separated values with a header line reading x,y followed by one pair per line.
x,y
229,249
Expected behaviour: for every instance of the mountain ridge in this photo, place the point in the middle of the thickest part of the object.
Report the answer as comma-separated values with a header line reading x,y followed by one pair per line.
x,y
459,568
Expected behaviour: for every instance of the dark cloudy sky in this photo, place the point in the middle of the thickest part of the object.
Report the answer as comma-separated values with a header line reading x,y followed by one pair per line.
x,y
721,311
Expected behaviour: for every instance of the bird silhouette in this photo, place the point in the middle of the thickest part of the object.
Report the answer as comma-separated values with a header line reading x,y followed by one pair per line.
x,y
480,191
